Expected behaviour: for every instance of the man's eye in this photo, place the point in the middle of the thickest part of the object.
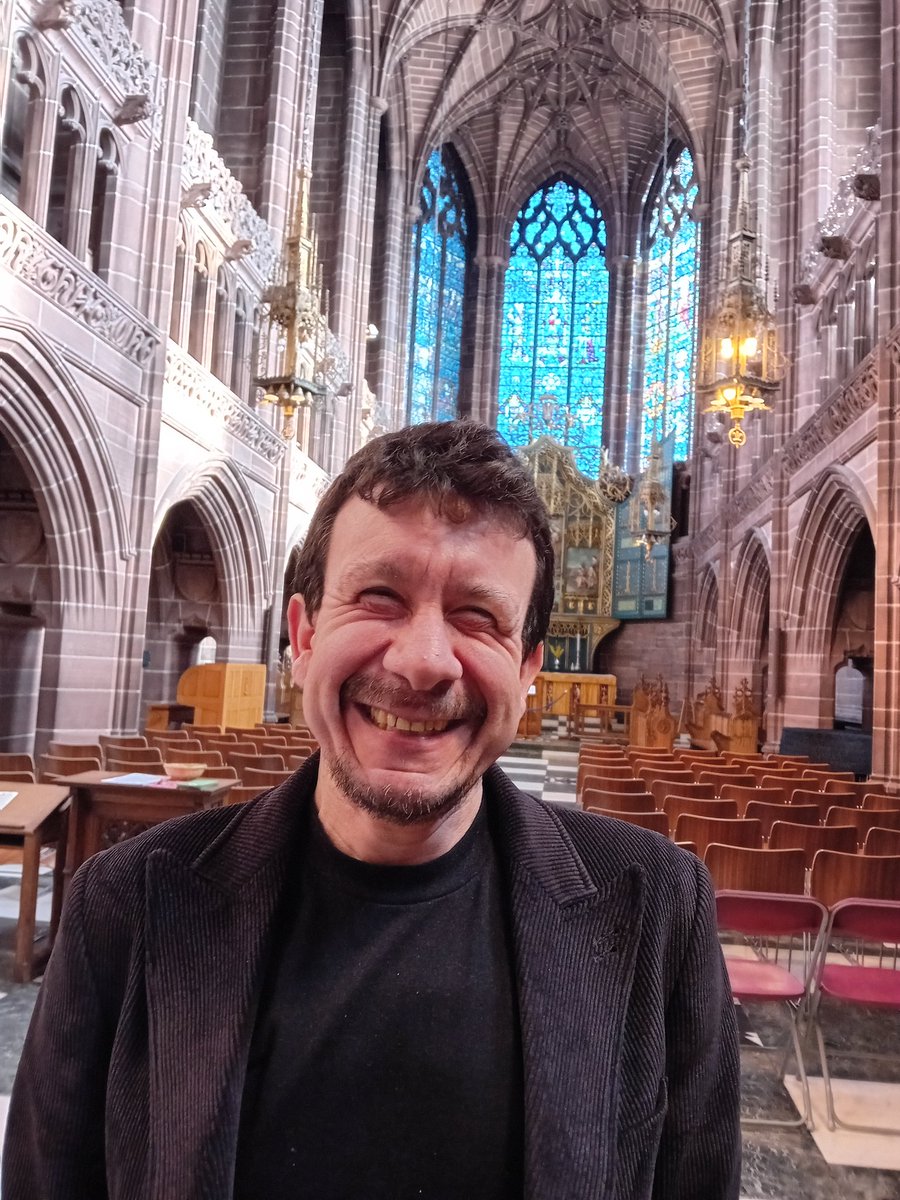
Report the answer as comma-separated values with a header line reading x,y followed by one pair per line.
x,y
475,617
382,599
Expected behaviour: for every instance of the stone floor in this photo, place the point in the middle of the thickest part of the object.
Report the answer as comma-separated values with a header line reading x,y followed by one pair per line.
x,y
779,1164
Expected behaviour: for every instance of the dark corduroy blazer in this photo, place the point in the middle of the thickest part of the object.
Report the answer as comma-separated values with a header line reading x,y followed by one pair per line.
x,y
131,1078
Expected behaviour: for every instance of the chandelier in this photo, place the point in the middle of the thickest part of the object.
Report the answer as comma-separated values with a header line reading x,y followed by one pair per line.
x,y
290,359
740,365
651,521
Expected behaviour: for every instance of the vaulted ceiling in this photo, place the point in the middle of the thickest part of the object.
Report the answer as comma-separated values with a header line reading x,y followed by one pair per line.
x,y
521,86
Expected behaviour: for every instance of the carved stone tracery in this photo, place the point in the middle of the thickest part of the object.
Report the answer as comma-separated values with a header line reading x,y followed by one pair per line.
x,y
40,261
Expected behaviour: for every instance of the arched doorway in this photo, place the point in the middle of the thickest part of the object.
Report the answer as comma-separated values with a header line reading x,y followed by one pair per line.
x,y
853,640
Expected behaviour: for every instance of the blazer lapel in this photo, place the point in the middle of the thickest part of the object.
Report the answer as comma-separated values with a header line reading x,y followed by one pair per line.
x,y
575,946
202,977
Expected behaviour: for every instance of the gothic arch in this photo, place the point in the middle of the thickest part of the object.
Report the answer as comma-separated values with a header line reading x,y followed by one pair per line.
x,y
706,628
836,509
51,427
750,603
228,508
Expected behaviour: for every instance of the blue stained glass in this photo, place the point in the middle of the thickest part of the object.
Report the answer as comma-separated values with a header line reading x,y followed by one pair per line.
x,y
440,248
671,253
555,310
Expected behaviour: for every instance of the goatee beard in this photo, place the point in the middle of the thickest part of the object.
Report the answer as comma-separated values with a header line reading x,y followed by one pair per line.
x,y
400,806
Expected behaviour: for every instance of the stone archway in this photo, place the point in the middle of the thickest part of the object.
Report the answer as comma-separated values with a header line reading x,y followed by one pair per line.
x,y
749,625
834,520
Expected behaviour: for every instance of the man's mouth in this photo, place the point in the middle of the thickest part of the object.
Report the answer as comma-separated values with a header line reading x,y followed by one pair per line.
x,y
388,720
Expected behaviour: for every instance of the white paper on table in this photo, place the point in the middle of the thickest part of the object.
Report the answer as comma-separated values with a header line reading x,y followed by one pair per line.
x,y
136,779
6,797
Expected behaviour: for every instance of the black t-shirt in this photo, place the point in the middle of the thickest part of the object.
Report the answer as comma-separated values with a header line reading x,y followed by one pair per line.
x,y
385,1062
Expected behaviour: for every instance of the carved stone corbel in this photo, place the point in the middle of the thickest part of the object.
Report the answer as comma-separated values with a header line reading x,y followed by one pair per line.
x,y
866,186
134,108
835,246
196,195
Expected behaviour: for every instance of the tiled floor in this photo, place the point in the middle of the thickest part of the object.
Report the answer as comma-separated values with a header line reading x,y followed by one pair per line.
x,y
779,1164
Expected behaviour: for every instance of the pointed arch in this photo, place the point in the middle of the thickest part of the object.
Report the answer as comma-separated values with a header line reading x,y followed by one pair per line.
x,y
670,244
834,514
442,240
52,429
750,605
229,511
555,317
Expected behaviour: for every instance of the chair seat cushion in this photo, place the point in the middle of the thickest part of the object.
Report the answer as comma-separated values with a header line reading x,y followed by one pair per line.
x,y
878,986
754,980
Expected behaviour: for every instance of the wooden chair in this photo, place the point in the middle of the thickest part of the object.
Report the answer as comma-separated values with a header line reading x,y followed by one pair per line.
x,y
803,797
124,741
294,761
131,766
719,781
788,835
241,793
763,769
220,773
75,750
744,795
706,830
882,841
215,741
135,754
611,785
618,802
255,762
55,765
649,776
875,800
767,814
209,758
16,762
676,806
826,776
264,779
18,776
176,737
787,759
786,781
863,819
190,744
720,769
195,729
837,877
742,760
664,787
747,869
657,821
860,790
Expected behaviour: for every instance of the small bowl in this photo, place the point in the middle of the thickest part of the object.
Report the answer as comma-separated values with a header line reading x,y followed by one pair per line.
x,y
184,771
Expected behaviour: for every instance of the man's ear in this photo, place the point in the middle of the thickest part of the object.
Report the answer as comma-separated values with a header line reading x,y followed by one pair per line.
x,y
530,667
300,630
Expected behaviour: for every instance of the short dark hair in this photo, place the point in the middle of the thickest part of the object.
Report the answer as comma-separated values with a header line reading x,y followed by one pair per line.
x,y
459,467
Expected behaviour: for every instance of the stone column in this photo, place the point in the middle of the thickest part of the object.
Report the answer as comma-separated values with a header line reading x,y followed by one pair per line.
x,y
621,410
353,266
389,382
886,705
82,168
490,281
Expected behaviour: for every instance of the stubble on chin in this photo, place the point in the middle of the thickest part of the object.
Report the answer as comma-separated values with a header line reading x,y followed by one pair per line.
x,y
400,806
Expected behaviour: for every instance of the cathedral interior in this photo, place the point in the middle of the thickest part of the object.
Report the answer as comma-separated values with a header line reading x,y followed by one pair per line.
x,y
656,244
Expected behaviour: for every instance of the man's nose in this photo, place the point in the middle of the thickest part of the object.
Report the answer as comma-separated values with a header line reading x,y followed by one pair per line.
x,y
422,652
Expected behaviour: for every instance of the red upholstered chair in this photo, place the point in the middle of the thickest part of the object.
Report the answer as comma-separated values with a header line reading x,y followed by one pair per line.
x,y
867,934
785,934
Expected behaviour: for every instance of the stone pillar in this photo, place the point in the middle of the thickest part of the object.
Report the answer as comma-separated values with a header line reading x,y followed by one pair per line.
x,y
886,706
292,106
353,266
490,281
82,168
621,410
389,382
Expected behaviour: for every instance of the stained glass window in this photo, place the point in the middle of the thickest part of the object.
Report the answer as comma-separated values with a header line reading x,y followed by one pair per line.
x,y
555,306
671,245
439,254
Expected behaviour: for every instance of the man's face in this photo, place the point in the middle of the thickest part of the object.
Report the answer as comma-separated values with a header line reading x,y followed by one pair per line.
x,y
412,672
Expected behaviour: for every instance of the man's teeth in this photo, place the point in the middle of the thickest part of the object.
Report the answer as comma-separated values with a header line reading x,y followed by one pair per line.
x,y
386,720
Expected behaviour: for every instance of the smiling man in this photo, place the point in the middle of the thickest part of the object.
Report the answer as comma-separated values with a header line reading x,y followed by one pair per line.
x,y
395,975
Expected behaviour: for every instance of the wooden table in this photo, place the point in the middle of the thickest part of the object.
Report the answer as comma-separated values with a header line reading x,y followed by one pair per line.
x,y
34,819
104,810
